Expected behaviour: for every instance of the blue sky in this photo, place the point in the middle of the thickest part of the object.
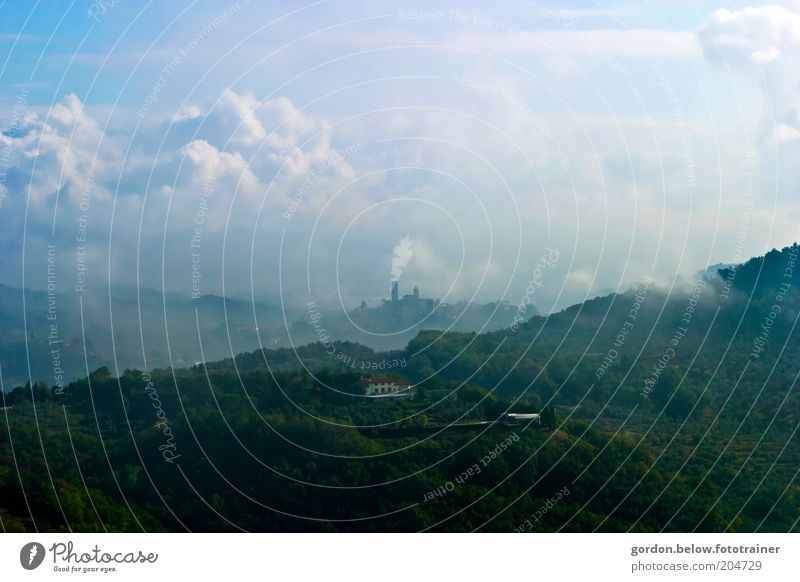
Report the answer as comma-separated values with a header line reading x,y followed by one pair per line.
x,y
297,143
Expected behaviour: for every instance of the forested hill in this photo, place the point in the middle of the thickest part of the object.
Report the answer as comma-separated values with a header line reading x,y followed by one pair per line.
x,y
673,409
638,347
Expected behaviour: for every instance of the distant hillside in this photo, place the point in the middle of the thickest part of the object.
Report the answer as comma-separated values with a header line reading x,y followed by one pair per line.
x,y
393,324
165,327
703,335
151,330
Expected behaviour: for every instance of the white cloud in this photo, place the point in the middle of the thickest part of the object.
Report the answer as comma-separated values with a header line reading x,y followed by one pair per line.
x,y
630,196
766,55
766,41
753,33
632,44
627,44
785,133
60,152
187,112
240,111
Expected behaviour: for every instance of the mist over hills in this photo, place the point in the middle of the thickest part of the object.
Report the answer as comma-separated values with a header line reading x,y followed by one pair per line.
x,y
676,349
668,410
664,410
134,330
123,328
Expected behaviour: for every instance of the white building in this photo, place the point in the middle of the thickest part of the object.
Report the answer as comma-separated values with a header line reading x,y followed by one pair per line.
x,y
514,418
387,387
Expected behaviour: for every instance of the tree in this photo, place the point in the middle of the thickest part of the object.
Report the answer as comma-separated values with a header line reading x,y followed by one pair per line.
x,y
548,417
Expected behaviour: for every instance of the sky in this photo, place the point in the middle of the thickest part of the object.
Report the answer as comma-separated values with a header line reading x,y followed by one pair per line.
x,y
285,149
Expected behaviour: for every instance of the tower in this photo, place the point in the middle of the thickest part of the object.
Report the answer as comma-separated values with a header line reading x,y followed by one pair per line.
x,y
395,292
416,292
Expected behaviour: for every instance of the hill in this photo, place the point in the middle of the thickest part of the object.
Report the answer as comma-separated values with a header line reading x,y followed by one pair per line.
x,y
667,409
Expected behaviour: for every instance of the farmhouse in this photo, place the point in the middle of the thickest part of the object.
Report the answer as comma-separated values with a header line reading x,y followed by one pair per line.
x,y
387,387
